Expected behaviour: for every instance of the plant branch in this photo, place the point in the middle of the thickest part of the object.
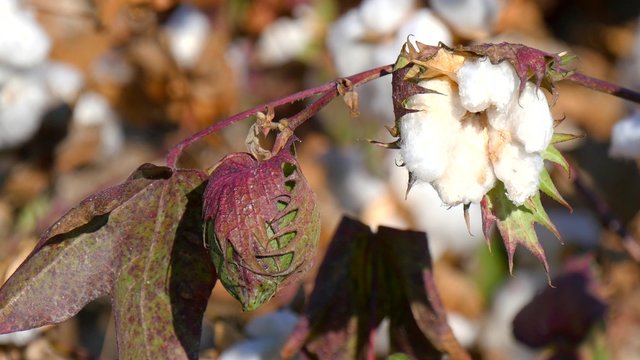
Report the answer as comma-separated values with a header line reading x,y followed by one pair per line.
x,y
604,86
329,91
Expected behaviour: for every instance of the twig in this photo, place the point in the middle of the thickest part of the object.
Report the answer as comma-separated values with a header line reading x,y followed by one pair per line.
x,y
327,89
604,86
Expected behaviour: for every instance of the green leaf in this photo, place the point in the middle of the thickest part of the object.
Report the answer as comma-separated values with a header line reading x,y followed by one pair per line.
x,y
552,154
139,243
515,223
547,187
560,137
398,356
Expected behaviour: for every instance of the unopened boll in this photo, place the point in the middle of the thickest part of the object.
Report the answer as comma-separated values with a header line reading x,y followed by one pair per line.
x,y
476,127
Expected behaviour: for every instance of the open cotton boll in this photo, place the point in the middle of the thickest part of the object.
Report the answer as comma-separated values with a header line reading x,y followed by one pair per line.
x,y
92,109
625,138
517,169
384,16
472,18
286,38
445,102
64,81
23,101
23,42
427,140
468,175
349,54
187,30
482,84
424,27
531,119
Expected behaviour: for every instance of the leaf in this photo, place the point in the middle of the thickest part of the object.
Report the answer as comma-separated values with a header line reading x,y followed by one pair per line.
x,y
547,187
139,243
365,278
561,137
262,224
552,154
515,223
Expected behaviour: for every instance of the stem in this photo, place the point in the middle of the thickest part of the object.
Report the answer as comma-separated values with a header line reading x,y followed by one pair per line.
x,y
604,86
326,89
606,216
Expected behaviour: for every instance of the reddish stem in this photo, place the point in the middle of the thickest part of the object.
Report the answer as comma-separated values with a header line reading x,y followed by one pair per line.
x,y
604,86
328,89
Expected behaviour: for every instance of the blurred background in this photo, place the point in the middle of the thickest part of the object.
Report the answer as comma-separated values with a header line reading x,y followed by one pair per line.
x,y
90,89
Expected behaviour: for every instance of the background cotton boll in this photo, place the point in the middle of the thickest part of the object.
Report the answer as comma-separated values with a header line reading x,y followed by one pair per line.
x,y
518,170
471,18
445,102
286,38
350,55
64,81
187,30
531,119
23,42
482,84
23,101
424,27
465,330
92,109
427,140
445,226
384,16
625,138
469,175
255,349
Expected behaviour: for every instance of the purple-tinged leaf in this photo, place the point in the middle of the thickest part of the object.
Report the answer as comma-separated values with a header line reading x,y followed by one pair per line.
x,y
262,224
366,277
548,187
139,243
562,317
515,223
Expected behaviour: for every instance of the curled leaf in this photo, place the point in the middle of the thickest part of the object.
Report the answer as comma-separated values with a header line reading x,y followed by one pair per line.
x,y
261,224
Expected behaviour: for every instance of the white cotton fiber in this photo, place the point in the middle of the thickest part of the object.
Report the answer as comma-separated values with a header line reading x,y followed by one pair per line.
x,y
472,18
426,142
64,81
286,38
23,42
468,175
482,84
187,30
424,27
23,101
517,169
350,55
531,121
92,109
384,16
625,138
446,101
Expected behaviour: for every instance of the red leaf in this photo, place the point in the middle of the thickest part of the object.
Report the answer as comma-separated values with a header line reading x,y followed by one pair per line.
x,y
138,242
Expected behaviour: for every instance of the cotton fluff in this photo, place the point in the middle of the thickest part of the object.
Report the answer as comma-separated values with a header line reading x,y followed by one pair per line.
x,y
64,81
287,38
23,100
92,109
384,16
493,132
483,84
472,18
23,43
187,30
625,138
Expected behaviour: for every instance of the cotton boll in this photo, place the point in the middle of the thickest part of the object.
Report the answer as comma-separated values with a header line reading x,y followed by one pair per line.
x,y
23,101
349,54
465,330
278,324
384,16
517,169
446,101
92,109
64,81
531,119
425,28
625,138
187,30
427,140
482,84
468,175
472,18
286,38
23,42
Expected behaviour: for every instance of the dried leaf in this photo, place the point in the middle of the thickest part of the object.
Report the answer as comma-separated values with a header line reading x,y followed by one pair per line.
x,y
138,242
367,277
262,224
